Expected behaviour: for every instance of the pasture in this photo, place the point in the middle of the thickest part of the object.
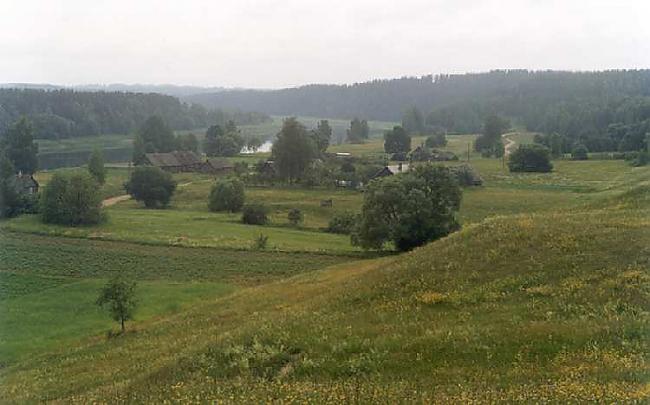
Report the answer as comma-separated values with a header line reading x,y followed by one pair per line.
x,y
540,297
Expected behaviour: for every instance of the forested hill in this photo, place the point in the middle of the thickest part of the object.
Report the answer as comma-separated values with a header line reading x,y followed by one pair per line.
x,y
66,113
575,104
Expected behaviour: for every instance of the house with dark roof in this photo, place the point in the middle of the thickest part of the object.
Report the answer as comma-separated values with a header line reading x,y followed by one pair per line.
x,y
175,162
25,184
392,170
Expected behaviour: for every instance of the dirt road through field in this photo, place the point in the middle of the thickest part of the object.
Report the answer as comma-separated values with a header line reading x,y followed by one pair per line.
x,y
508,143
114,200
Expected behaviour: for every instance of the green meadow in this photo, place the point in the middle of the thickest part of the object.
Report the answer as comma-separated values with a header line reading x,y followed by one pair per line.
x,y
541,297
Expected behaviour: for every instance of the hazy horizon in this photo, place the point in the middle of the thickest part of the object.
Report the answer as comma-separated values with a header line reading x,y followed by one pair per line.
x,y
268,44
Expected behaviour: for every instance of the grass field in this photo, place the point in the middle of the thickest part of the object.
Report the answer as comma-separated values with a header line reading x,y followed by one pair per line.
x,y
48,285
541,297
543,307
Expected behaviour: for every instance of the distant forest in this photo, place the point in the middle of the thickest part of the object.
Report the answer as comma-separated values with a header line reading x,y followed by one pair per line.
x,y
607,110
58,114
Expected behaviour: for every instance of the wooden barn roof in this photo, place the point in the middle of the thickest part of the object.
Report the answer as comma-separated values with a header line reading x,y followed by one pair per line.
x,y
173,159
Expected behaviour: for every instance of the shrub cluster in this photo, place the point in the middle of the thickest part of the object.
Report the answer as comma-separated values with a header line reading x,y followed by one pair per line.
x,y
71,199
227,195
530,158
255,214
152,186
342,223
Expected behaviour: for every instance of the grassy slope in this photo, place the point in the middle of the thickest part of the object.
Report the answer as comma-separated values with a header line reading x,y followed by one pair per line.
x,y
549,306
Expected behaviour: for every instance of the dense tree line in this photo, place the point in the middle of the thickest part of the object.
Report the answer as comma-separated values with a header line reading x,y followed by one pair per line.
x,y
65,113
607,110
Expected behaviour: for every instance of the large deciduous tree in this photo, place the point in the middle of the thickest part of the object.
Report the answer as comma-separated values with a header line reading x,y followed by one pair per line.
x,y
409,209
323,135
489,142
151,185
293,150
157,136
20,147
223,142
96,166
397,140
359,131
227,195
71,199
413,121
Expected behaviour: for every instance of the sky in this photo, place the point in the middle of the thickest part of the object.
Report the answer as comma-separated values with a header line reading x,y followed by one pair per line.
x,y
285,43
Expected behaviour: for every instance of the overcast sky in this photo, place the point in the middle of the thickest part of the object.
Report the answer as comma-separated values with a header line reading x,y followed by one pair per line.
x,y
279,43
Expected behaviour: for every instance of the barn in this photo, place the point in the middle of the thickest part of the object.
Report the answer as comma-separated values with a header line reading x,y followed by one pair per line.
x,y
175,162
218,166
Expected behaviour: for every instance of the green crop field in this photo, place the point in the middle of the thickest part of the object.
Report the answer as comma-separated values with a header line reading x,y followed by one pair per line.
x,y
541,297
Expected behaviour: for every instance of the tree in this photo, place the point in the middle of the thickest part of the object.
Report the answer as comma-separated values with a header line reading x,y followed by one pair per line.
x,y
231,127
139,151
295,216
409,209
580,152
223,143
96,166
227,195
151,185
530,158
118,296
157,136
20,147
253,144
255,214
71,199
413,121
342,223
323,136
436,141
397,140
188,142
358,131
9,198
293,150
489,142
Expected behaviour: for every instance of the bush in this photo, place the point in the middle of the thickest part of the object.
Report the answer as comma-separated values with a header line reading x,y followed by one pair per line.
x,y
152,186
530,158
71,199
643,159
261,242
342,223
227,195
255,214
580,152
295,216
436,141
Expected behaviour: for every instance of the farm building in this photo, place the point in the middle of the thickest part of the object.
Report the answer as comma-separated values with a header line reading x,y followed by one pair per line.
x,y
391,170
218,166
175,162
25,184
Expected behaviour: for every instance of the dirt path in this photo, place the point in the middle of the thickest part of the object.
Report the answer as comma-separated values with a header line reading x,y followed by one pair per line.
x,y
114,200
508,144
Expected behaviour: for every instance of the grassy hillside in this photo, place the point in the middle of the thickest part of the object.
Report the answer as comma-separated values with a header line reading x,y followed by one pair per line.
x,y
550,306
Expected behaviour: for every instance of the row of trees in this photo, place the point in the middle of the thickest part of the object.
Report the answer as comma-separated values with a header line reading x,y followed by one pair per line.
x,y
60,114
605,111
